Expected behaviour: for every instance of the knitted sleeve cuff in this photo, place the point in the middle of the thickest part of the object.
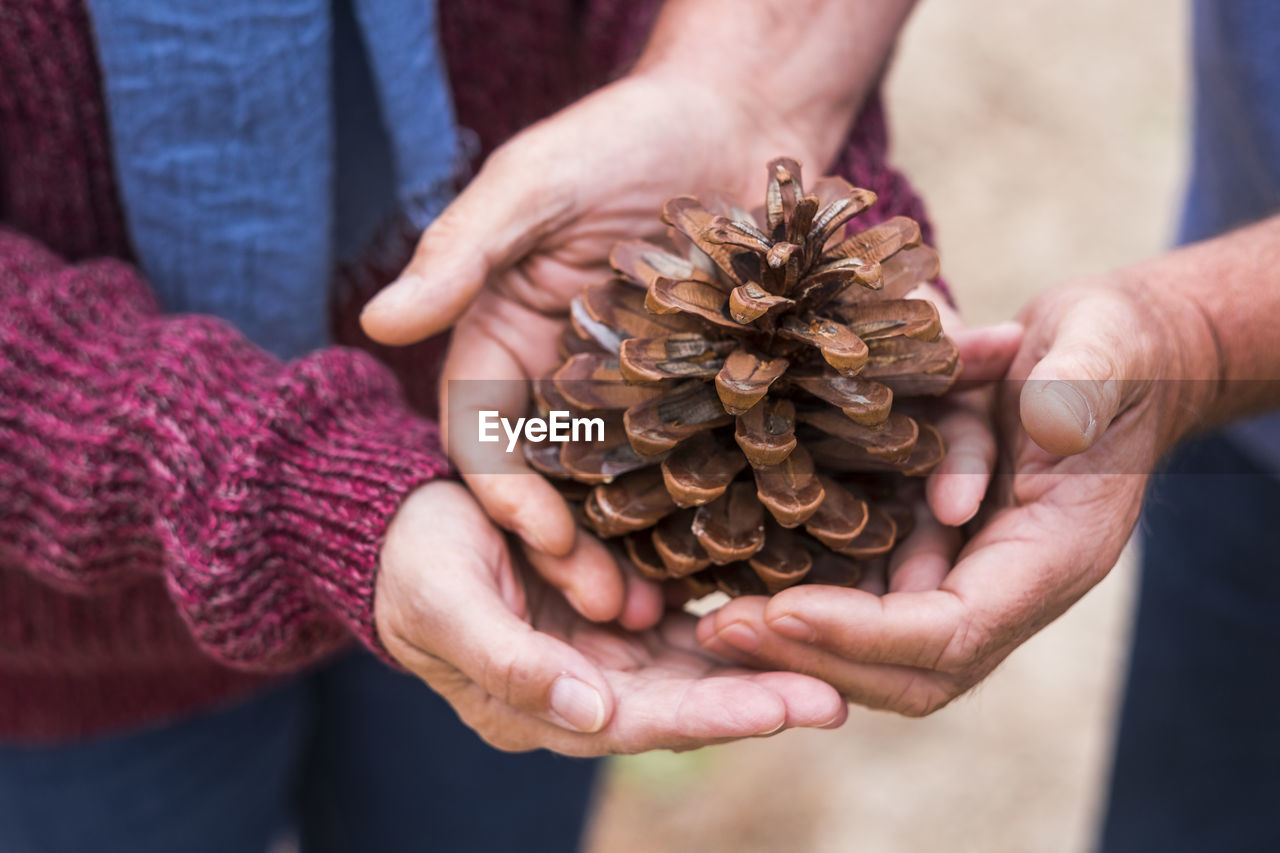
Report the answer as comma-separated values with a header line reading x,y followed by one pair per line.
x,y
285,565
135,444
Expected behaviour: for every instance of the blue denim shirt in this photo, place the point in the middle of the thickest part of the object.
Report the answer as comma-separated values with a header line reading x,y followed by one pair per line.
x,y
257,142
1235,176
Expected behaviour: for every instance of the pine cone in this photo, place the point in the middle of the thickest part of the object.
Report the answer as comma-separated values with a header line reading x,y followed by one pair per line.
x,y
746,375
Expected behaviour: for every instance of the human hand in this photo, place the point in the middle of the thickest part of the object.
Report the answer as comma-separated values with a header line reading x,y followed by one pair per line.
x,y
1107,379
525,671
964,417
536,225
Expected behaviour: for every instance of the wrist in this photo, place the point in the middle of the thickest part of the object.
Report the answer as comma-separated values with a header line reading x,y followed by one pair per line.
x,y
393,599
1188,358
801,68
735,120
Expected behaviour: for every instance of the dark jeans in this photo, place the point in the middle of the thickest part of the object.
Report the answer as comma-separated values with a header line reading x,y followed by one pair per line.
x,y
353,759
1197,761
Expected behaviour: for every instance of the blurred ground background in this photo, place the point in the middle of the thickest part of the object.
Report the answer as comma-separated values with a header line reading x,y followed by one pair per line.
x,y
1048,139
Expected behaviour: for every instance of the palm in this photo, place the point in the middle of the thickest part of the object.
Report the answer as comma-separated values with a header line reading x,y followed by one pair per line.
x,y
560,196
1056,526
668,693
483,630
664,669
641,145
1064,518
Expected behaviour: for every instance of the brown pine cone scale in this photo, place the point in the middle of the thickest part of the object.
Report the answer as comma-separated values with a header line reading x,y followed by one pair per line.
x,y
746,370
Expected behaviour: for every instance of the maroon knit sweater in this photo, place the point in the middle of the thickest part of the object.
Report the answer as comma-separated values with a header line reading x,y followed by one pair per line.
x,y
182,517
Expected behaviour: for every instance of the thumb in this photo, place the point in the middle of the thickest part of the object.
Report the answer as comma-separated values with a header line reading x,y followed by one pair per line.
x,y
456,598
516,664
487,228
1085,380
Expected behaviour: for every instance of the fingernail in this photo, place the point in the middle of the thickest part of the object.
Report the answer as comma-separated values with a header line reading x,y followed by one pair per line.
x,y
835,722
1071,403
974,504
396,296
794,629
773,731
578,704
741,636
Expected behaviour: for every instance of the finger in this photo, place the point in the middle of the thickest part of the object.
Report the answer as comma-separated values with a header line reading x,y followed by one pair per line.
x,y
515,664
677,713
739,631
947,311
461,616
809,702
491,224
1018,574
1078,387
680,712
528,506
715,703
923,559
483,374
645,602
986,352
684,703
915,629
587,576
956,487
875,577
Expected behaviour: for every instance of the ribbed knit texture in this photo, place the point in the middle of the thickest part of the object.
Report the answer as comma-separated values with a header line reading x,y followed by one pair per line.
x,y
180,514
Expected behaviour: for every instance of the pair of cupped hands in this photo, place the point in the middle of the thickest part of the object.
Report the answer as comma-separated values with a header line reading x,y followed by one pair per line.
x,y
538,638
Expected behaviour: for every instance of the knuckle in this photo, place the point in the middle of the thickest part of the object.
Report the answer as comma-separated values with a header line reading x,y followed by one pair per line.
x,y
923,697
496,728
967,648
443,229
496,679
505,159
503,741
493,722
514,682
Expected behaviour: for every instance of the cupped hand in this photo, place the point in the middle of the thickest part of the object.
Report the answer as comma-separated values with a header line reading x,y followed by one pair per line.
x,y
525,671
535,226
1108,378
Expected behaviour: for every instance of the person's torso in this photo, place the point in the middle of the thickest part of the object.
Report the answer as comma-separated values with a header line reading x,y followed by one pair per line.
x,y
1236,151
1235,174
